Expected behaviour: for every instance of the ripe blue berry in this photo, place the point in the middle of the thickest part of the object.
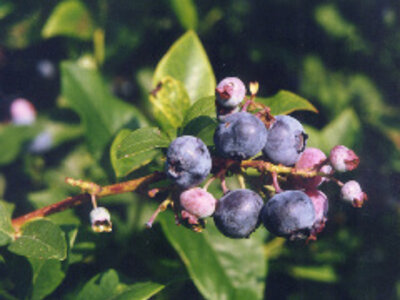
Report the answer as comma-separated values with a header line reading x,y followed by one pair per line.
x,y
237,213
290,214
286,141
230,92
188,161
240,136
198,202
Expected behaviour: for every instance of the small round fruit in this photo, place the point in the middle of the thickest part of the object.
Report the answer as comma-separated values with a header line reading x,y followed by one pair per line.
x,y
188,161
286,141
22,112
230,92
237,213
240,136
289,214
198,202
311,159
351,191
343,159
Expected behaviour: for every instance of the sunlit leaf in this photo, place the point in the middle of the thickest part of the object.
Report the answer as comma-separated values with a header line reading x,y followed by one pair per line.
x,y
133,149
69,18
221,268
187,62
285,102
40,239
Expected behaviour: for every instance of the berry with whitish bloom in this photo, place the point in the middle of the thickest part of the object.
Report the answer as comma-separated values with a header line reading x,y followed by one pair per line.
x,y
230,92
188,161
22,112
101,220
286,141
240,136
41,143
343,159
312,159
352,192
321,206
237,213
198,202
289,214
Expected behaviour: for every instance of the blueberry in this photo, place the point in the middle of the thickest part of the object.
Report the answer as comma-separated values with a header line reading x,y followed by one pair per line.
x,y
240,136
198,202
351,191
343,159
311,159
22,112
237,213
286,141
289,214
321,206
230,92
188,161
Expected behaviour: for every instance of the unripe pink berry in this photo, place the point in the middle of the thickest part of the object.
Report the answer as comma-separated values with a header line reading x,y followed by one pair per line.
x,y
22,112
320,202
198,202
311,159
230,92
321,205
352,192
343,159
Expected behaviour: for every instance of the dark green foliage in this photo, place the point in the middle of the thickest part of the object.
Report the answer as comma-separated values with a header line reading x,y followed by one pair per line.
x,y
163,58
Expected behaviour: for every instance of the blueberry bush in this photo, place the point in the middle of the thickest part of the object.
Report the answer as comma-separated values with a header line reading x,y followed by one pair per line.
x,y
170,150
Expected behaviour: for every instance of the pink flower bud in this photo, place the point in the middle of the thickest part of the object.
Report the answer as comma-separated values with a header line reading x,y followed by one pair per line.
x,y
22,112
198,202
100,219
351,191
343,159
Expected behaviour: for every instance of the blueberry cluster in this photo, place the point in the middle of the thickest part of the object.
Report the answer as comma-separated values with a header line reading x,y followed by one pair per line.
x,y
276,146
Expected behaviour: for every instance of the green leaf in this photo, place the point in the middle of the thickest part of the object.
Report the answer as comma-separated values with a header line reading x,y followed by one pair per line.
x,y
185,11
107,285
200,120
285,102
101,113
40,239
170,102
12,140
47,276
187,62
134,149
203,107
69,18
6,229
344,130
220,267
315,273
